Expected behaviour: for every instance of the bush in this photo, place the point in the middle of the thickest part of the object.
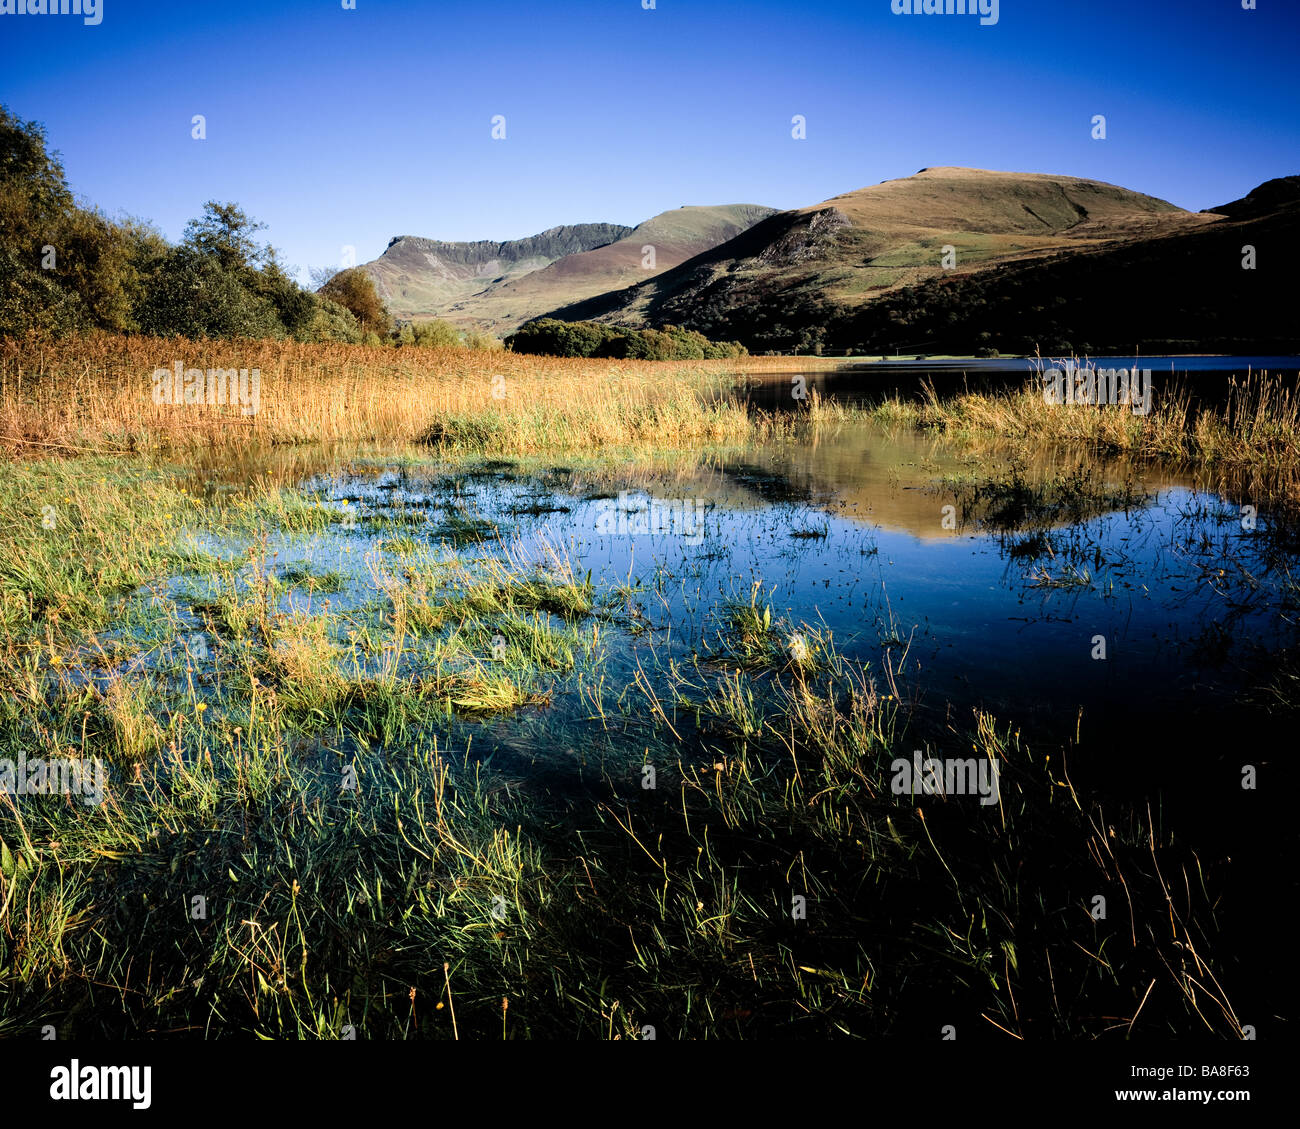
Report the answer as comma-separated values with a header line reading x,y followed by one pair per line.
x,y
555,338
435,334
191,295
294,307
30,299
331,322
480,339
355,289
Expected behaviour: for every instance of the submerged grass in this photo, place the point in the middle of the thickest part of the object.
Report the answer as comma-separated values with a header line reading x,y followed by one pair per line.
x,y
1249,438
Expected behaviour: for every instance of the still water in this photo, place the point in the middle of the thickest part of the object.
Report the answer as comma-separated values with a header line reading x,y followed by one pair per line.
x,y
1205,378
1140,629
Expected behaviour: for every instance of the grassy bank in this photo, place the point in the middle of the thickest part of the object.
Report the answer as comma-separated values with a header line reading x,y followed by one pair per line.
x,y
96,393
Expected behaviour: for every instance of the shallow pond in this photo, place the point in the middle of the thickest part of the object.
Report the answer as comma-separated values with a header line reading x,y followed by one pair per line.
x,y
368,643
1124,610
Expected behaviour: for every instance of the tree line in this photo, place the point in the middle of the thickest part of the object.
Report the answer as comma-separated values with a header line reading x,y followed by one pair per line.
x,y
556,338
66,267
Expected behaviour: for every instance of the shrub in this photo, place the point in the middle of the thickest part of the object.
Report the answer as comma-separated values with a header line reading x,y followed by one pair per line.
x,y
476,338
355,289
435,334
331,322
191,295
591,339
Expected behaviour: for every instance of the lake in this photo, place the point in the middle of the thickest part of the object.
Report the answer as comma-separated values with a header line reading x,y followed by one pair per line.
x,y
849,534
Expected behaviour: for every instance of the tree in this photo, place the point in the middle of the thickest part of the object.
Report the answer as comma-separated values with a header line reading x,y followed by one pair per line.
x,y
192,296
66,267
294,306
435,334
354,290
320,276
34,202
33,177
225,231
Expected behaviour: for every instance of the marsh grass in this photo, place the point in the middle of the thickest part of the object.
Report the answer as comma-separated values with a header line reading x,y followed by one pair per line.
x,y
915,910
94,393
1248,441
301,574
770,883
749,637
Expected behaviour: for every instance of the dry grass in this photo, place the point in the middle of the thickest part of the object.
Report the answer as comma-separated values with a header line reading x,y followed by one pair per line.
x,y
1246,443
95,393
1257,422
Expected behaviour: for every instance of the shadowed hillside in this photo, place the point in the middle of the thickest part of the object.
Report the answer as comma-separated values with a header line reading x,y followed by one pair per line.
x,y
802,270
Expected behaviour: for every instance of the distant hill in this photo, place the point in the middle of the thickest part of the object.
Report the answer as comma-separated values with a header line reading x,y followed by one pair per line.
x,y
675,236
423,277
797,272
502,285
1270,197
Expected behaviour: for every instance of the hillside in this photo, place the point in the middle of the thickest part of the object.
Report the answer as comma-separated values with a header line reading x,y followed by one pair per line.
x,y
423,277
502,285
837,255
1178,292
676,236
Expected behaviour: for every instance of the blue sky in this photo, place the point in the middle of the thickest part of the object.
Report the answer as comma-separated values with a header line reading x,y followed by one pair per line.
x,y
344,127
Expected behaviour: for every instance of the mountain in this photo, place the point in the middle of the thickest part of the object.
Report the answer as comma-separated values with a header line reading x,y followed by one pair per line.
x,y
502,285
1224,286
422,277
1055,263
835,257
675,236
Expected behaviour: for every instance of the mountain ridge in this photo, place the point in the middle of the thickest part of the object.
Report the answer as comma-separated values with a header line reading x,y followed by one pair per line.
x,y
419,276
499,285
854,248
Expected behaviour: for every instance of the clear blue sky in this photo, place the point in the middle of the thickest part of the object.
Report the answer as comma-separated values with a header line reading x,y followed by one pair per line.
x,y
340,127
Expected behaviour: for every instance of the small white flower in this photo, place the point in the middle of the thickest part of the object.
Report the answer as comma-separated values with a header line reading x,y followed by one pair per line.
x,y
798,649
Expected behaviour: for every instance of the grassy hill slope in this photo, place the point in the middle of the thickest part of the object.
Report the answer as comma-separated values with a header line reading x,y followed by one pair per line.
x,y
861,245
676,236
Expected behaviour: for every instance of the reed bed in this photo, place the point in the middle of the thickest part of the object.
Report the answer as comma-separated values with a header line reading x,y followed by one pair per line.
x,y
96,392
1248,439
